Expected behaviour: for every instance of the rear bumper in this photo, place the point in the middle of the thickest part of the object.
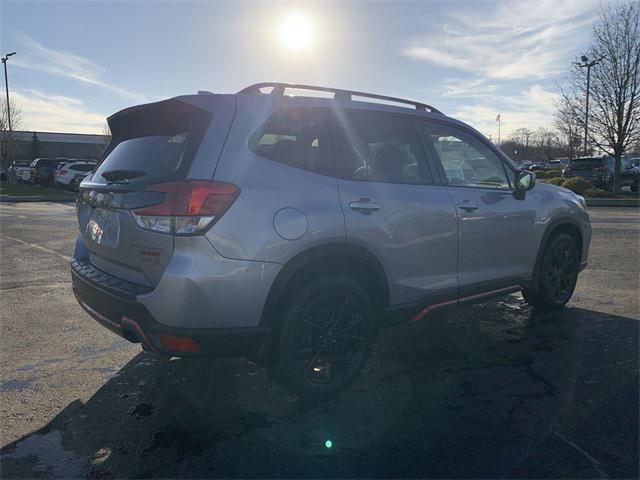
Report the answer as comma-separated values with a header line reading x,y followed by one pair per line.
x,y
113,303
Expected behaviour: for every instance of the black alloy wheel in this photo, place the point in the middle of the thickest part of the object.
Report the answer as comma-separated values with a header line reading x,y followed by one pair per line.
x,y
325,337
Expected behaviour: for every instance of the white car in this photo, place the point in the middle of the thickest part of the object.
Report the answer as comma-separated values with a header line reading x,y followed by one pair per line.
x,y
23,173
71,174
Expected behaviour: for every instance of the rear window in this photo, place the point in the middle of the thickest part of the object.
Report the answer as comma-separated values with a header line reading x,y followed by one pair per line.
x,y
297,137
82,168
153,157
45,163
153,143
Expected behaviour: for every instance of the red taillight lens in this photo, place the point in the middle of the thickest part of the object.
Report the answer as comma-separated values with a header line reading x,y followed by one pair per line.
x,y
61,172
194,197
188,208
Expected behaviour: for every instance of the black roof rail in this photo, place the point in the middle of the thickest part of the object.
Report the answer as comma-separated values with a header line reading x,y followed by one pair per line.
x,y
339,94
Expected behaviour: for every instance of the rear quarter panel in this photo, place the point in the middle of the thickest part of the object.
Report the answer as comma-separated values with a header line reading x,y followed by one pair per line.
x,y
247,230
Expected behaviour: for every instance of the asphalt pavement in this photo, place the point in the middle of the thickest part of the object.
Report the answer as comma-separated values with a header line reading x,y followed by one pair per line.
x,y
494,390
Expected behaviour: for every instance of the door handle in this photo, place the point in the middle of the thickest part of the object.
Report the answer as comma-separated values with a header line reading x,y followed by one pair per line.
x,y
468,206
364,206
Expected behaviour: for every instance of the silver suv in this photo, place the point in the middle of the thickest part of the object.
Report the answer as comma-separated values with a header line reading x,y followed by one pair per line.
x,y
286,223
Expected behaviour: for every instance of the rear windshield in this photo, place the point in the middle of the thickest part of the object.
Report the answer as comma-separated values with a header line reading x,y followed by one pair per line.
x,y
152,143
82,168
153,157
45,163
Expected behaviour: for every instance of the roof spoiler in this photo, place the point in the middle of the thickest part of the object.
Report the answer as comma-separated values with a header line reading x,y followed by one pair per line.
x,y
339,94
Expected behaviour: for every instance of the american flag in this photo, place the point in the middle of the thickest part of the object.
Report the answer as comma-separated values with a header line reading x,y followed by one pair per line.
x,y
498,118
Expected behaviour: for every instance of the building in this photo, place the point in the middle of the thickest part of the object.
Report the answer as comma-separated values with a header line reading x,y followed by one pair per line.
x,y
54,144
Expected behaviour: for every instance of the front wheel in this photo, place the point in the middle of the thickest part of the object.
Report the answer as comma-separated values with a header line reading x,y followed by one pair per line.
x,y
325,337
556,276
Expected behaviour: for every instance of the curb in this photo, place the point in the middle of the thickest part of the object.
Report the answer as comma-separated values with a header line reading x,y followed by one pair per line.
x,y
36,198
613,202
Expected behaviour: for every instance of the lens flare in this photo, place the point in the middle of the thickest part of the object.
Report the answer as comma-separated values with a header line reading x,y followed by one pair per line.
x,y
328,443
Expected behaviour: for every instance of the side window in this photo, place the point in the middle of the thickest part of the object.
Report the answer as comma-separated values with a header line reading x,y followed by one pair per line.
x,y
466,160
374,147
297,137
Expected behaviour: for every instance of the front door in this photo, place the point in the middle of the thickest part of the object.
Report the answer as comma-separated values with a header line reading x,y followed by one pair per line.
x,y
494,227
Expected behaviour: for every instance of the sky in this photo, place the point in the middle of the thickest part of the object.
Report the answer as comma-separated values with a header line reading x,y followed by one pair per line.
x,y
78,62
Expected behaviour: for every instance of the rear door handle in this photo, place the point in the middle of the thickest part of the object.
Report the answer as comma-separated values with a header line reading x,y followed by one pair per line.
x,y
468,206
364,206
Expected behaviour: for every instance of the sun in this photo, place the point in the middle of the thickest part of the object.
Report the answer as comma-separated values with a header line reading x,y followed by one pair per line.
x,y
296,32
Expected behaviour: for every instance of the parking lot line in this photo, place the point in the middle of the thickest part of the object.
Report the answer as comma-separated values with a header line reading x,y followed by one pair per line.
x,y
35,245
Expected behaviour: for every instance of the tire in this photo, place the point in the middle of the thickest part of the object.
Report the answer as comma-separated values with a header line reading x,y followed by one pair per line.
x,y
325,337
556,276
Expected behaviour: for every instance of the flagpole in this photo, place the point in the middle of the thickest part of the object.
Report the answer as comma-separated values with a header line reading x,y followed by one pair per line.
x,y
499,120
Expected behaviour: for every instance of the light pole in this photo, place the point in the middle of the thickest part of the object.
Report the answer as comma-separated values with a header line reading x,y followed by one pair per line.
x,y
588,65
6,88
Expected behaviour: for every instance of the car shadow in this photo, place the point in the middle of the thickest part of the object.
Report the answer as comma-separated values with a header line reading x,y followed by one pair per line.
x,y
493,390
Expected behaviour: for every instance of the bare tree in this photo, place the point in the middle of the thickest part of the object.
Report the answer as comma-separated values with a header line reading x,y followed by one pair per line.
x,y
7,140
614,113
569,128
106,138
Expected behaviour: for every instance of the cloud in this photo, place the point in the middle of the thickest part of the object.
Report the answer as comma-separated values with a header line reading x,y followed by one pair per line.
x,y
54,113
36,56
532,108
516,40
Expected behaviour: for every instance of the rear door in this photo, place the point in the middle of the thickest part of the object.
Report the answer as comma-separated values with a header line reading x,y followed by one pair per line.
x,y
495,228
151,144
392,206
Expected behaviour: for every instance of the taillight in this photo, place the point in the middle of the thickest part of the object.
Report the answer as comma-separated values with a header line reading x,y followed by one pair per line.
x,y
188,208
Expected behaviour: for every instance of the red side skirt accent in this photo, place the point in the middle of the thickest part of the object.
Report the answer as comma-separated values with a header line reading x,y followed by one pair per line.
x,y
506,290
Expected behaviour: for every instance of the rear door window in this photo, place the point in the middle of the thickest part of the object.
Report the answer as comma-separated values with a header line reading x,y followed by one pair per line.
x,y
377,147
297,137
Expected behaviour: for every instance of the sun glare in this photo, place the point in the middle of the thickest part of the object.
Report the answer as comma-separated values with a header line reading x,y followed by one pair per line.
x,y
296,32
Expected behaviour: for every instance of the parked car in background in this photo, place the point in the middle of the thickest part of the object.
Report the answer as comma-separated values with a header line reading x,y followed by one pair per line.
x,y
524,164
42,170
70,174
635,162
539,165
557,164
289,228
22,170
601,170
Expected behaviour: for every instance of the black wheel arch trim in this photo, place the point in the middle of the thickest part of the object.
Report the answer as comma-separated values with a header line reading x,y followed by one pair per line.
x,y
551,229
314,254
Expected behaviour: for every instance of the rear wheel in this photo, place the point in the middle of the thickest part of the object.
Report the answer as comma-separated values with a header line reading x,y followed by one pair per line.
x,y
556,276
325,337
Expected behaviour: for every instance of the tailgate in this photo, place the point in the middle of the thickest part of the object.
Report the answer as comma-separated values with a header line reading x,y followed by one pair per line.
x,y
151,144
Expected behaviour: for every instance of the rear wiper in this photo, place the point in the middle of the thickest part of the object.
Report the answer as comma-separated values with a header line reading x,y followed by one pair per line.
x,y
121,175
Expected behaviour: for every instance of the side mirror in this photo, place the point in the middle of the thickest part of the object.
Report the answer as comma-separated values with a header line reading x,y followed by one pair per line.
x,y
525,180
